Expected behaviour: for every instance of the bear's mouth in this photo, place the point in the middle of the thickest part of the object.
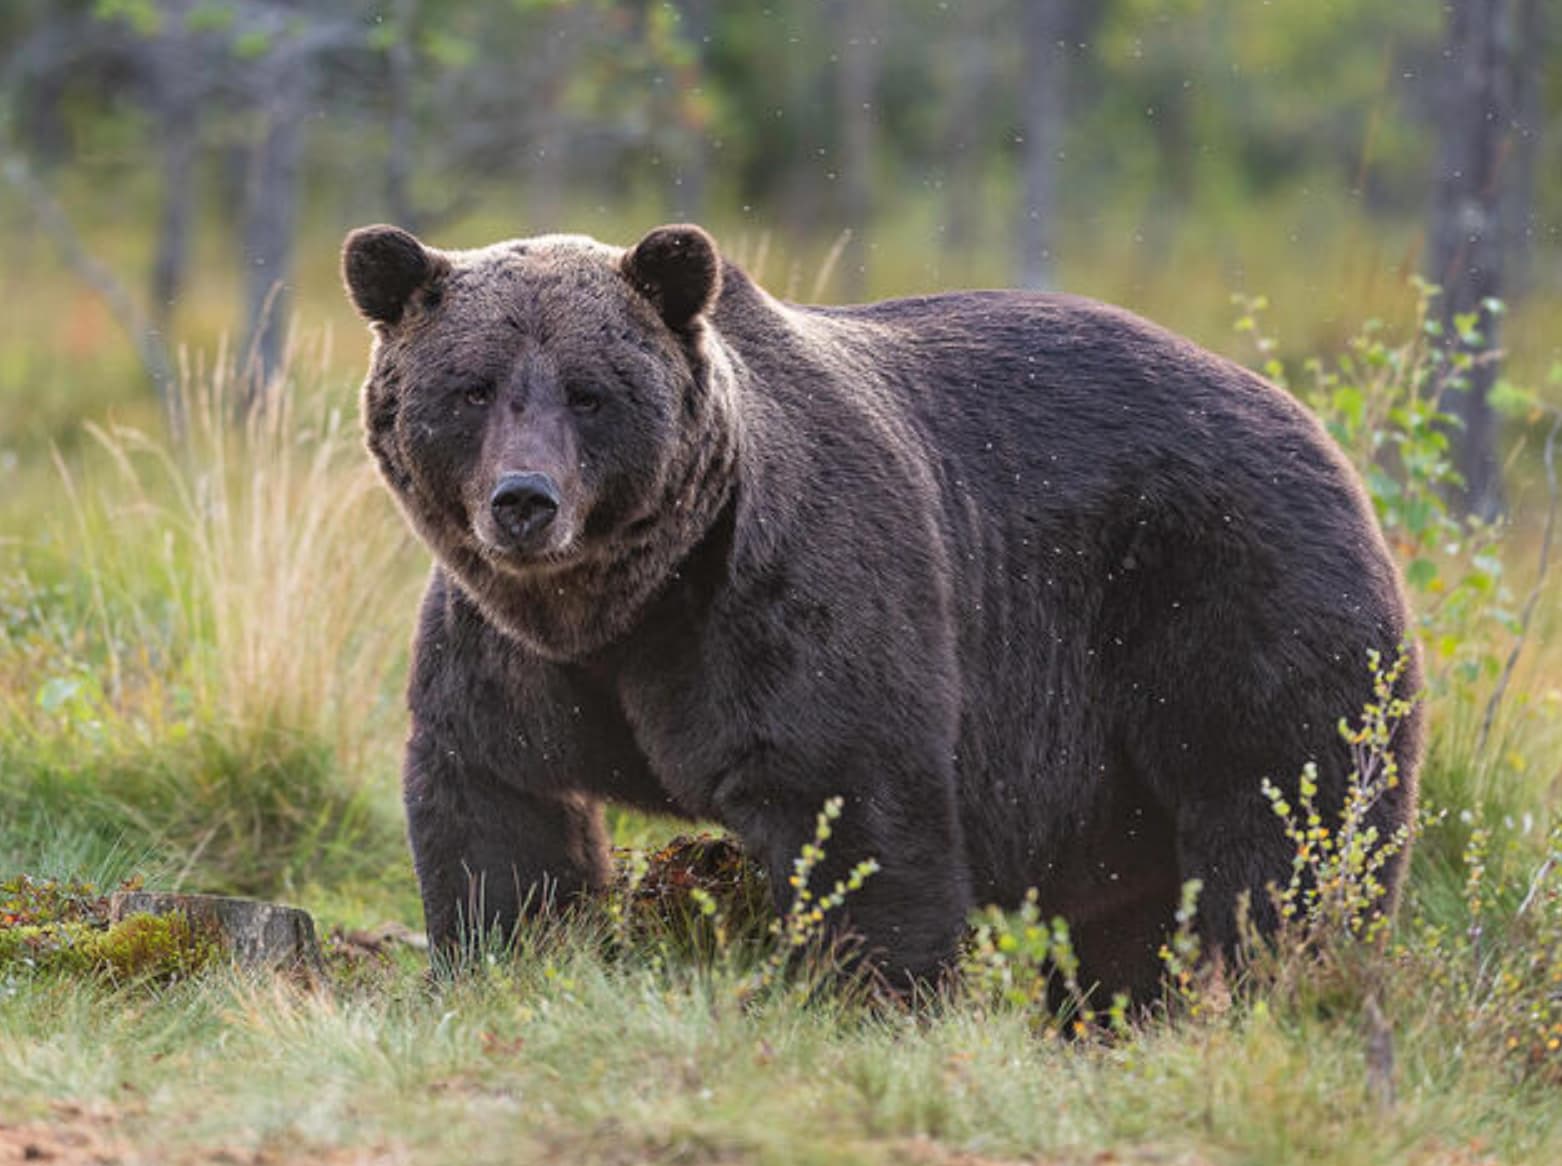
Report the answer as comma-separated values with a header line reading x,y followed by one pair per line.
x,y
559,549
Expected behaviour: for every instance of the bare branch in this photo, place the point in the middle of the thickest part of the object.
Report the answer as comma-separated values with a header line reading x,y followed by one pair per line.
x,y
52,218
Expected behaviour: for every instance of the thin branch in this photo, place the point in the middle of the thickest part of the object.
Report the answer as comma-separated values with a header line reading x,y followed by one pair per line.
x,y
1536,883
95,274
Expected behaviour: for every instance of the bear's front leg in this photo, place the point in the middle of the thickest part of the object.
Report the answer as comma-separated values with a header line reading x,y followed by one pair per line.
x,y
907,918
502,813
488,855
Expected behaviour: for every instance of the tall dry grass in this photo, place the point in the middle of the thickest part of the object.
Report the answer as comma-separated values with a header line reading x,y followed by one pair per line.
x,y
218,669
288,572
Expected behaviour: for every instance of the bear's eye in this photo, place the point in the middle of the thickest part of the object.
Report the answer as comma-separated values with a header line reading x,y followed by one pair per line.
x,y
582,399
479,394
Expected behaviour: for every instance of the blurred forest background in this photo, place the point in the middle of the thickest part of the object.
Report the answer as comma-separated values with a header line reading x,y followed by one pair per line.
x,y
182,170
206,594
203,602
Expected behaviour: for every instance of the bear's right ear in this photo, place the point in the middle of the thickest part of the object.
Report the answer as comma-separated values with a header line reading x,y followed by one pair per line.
x,y
383,266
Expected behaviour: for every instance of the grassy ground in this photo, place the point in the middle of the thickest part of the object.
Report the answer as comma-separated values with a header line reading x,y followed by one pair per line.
x,y
568,1053
201,651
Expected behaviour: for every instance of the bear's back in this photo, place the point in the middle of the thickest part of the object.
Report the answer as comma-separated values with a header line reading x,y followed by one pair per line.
x,y
1060,412
1134,527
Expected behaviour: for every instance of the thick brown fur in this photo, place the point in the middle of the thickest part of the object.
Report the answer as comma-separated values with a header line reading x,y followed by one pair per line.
x,y
1043,591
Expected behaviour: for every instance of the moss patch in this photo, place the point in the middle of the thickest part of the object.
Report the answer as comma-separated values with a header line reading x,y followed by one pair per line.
x,y
64,927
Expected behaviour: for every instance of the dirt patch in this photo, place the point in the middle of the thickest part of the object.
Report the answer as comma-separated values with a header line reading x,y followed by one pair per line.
x,y
924,1151
378,1155
75,1138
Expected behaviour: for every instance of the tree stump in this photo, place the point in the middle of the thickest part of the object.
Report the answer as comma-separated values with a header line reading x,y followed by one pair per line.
x,y
256,935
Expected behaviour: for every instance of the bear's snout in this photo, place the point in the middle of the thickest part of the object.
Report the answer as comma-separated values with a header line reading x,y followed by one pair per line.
x,y
523,507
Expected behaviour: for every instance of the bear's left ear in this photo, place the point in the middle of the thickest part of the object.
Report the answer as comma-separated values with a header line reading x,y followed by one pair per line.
x,y
677,269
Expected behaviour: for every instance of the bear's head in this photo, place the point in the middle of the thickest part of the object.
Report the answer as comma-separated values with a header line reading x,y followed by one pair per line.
x,y
550,414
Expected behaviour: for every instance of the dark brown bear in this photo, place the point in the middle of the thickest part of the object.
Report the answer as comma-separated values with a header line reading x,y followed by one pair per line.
x,y
1043,591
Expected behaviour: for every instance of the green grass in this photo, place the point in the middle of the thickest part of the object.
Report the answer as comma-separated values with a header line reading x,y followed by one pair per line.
x,y
203,639
564,1055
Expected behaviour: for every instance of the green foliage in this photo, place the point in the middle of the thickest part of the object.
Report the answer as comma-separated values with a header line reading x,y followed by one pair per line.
x,y
1007,955
210,16
1017,961
48,927
1180,953
153,697
803,927
30,902
1503,972
142,16
1335,891
246,813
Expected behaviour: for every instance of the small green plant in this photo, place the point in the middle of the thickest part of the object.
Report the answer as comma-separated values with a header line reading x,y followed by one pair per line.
x,y
1179,955
1336,886
1016,959
805,926
64,927
1006,959
30,902
1496,979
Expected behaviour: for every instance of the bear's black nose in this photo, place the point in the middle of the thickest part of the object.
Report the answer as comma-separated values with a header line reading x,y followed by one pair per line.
x,y
524,504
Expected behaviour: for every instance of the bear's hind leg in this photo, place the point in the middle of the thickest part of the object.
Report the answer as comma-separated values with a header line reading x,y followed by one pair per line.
x,y
1120,904
1237,849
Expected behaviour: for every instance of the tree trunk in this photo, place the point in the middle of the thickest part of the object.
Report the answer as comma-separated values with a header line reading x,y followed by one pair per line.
x,y
271,202
1518,212
858,81
1466,236
1043,25
172,62
969,91
691,165
149,343
254,934
40,120
180,126
401,79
